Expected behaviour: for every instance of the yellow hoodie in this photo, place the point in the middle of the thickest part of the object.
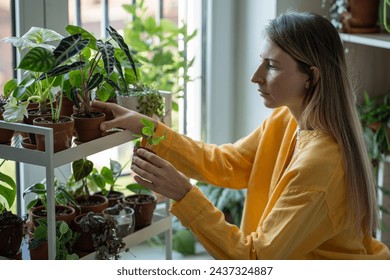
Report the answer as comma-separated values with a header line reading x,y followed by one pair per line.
x,y
296,202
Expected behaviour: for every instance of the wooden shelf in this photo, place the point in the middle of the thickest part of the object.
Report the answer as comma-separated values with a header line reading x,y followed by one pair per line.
x,y
379,40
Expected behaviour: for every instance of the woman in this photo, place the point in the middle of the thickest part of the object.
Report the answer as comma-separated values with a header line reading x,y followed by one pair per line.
x,y
310,187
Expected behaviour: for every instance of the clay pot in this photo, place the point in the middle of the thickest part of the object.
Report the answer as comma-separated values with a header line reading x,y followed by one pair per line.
x,y
144,206
113,197
41,252
95,203
63,213
62,132
88,128
32,114
5,134
11,238
362,17
67,107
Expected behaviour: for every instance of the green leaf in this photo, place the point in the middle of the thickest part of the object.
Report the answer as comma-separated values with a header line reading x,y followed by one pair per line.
x,y
184,242
7,190
107,175
9,87
82,168
107,51
73,29
38,60
69,47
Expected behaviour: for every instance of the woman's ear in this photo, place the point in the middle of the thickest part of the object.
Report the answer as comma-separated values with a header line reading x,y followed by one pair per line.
x,y
313,77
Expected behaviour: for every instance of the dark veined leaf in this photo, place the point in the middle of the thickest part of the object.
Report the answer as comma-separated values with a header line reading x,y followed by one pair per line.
x,y
73,29
38,60
62,70
69,47
113,84
81,168
107,50
121,42
74,96
94,81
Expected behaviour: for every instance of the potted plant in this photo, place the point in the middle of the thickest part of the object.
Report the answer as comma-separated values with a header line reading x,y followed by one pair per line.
x,y
87,202
98,233
123,217
11,225
5,134
110,176
65,239
37,207
132,93
88,81
45,67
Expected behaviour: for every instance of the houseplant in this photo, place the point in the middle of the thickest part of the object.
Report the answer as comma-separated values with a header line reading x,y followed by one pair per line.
x,y
65,239
11,225
110,176
132,92
98,233
5,134
123,217
87,202
37,207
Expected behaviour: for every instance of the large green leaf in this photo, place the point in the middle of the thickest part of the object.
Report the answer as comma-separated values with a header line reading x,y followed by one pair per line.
x,y
107,50
73,29
8,189
38,60
42,35
81,168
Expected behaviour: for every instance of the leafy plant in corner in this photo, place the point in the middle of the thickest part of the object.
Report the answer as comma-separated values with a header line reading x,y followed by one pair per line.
x,y
148,139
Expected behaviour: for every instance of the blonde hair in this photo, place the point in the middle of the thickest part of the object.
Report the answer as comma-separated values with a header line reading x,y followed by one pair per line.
x,y
330,103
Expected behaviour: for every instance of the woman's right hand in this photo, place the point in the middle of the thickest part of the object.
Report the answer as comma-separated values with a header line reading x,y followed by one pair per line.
x,y
123,117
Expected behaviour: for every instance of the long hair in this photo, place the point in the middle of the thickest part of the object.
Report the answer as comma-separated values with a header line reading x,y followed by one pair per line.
x,y
330,103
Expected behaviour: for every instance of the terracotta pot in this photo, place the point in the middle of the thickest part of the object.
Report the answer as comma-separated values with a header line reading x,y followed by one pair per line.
x,y
62,132
362,16
32,114
144,206
113,197
87,129
5,134
95,203
11,238
63,213
40,253
67,107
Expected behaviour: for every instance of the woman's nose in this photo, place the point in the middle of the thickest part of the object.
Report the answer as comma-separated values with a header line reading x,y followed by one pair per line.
x,y
257,77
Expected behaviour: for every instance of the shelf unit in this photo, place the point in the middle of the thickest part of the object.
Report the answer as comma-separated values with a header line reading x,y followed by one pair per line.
x,y
162,220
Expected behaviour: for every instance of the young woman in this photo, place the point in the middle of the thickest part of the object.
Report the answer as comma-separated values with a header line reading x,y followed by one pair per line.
x,y
310,188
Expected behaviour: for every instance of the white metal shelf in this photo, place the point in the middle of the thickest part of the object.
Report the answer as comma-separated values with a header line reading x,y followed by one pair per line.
x,y
379,40
50,160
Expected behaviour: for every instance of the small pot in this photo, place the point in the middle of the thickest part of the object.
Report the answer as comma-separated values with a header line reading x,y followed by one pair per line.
x,y
144,206
62,132
113,197
11,238
95,203
88,128
5,134
63,213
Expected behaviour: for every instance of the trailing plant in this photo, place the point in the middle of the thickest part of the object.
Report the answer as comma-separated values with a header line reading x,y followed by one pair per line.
x,y
106,242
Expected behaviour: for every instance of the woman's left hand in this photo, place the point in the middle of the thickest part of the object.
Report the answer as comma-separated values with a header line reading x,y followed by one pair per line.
x,y
159,175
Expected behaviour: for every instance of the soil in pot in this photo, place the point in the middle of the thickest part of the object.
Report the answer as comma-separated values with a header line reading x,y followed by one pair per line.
x,y
144,206
62,132
11,234
63,213
114,197
94,203
88,128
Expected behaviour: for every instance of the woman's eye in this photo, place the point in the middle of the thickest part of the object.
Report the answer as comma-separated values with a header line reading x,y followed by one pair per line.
x,y
270,65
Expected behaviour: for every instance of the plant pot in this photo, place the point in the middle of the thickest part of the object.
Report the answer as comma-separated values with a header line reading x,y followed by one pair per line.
x,y
88,128
5,134
84,243
40,252
124,218
113,197
62,132
11,234
362,17
63,213
95,203
67,106
129,102
144,206
32,114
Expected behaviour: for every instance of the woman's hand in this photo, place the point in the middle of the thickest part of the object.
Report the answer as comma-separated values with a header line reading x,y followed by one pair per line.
x,y
159,175
123,117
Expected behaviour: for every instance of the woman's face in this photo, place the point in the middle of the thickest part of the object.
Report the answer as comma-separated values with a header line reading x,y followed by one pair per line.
x,y
279,81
